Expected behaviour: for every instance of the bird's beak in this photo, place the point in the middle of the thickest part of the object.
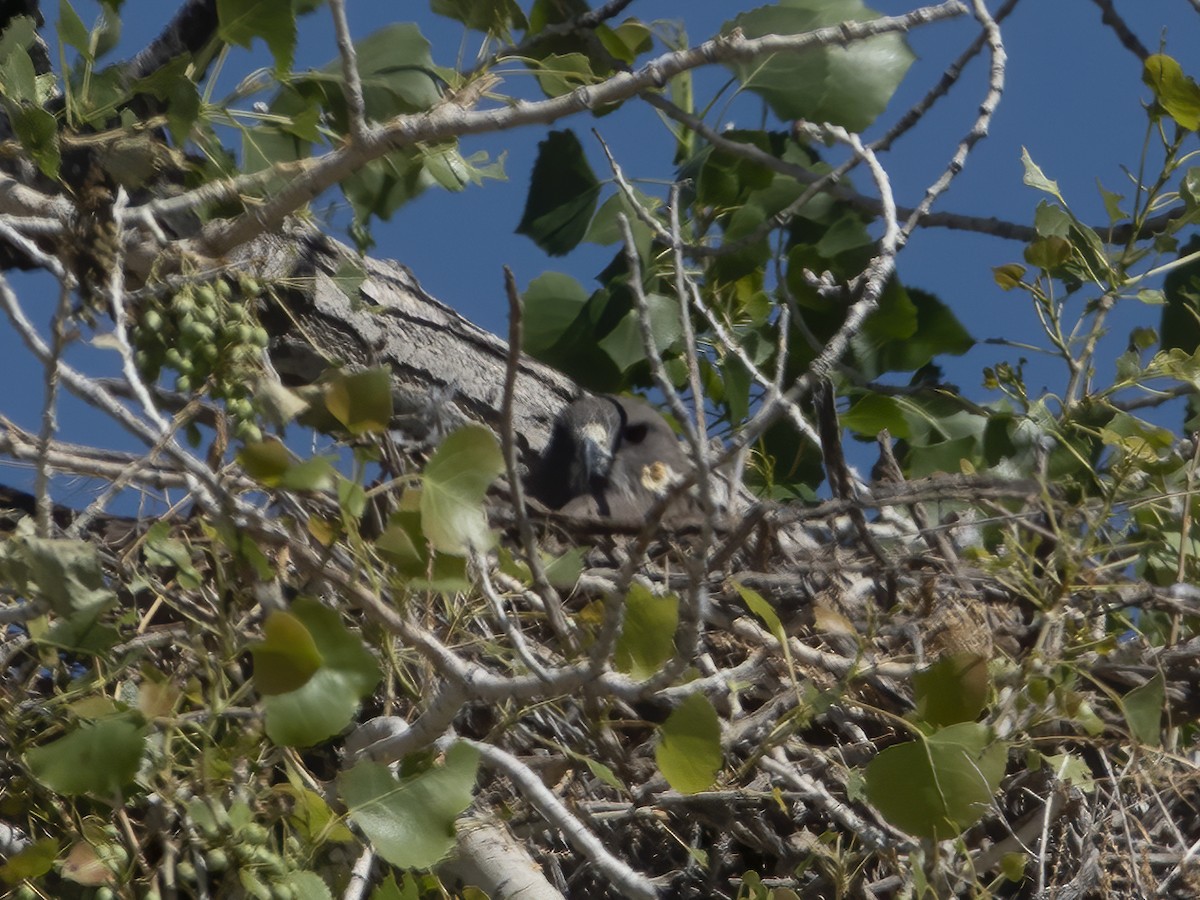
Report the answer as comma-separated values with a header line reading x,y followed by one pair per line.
x,y
595,453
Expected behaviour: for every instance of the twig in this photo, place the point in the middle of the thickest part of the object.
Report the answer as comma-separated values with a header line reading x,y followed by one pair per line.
x,y
549,596
351,83
624,879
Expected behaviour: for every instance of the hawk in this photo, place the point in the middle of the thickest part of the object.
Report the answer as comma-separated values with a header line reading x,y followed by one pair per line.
x,y
612,457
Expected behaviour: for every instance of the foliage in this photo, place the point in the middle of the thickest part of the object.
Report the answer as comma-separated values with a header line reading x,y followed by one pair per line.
x,y
349,635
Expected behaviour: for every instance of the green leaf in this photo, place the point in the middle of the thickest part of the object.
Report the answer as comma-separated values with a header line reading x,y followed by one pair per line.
x,y
362,401
953,689
562,195
872,413
270,463
32,862
1049,253
908,329
689,747
37,130
1175,92
450,170
72,31
410,821
97,758
758,605
18,77
455,481
624,344
561,74
286,657
553,302
302,885
648,637
1143,707
404,546
327,701
627,40
1180,325
171,84
1035,178
1072,769
1009,275
496,17
1112,204
938,785
67,575
848,86
19,35
241,21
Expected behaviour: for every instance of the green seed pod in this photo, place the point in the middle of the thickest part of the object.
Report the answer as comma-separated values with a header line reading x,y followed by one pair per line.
x,y
261,338
183,384
216,860
183,304
172,358
248,432
152,319
254,833
206,295
224,289
185,871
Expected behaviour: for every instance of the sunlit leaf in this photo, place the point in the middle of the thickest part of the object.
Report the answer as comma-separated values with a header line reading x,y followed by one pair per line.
x,y
1143,708
1036,178
327,701
454,482
648,636
410,821
1175,92
286,657
938,785
32,862
361,401
689,747
97,758
848,86
953,689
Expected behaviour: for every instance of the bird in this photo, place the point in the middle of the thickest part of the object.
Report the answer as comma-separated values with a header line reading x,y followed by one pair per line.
x,y
612,458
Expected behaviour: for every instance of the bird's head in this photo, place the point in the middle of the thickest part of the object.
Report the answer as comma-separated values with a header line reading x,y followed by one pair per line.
x,y
622,446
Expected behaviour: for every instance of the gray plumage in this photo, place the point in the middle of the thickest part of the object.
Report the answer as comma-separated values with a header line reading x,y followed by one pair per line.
x,y
612,457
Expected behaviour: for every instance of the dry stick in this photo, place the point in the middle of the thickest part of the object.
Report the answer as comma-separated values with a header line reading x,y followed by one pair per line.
x,y
586,22
1110,17
351,83
549,596
942,88
979,130
360,872
690,621
511,628
58,344
450,120
936,538
627,881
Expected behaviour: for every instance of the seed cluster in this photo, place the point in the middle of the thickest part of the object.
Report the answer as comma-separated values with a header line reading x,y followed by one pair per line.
x,y
211,339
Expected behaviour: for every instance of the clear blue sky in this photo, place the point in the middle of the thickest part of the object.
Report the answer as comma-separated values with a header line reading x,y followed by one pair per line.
x,y
1073,98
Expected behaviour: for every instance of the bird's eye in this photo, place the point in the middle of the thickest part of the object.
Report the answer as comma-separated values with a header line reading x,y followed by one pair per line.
x,y
635,434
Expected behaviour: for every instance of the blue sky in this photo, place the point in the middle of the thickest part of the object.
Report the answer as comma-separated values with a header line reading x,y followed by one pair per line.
x,y
1073,99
